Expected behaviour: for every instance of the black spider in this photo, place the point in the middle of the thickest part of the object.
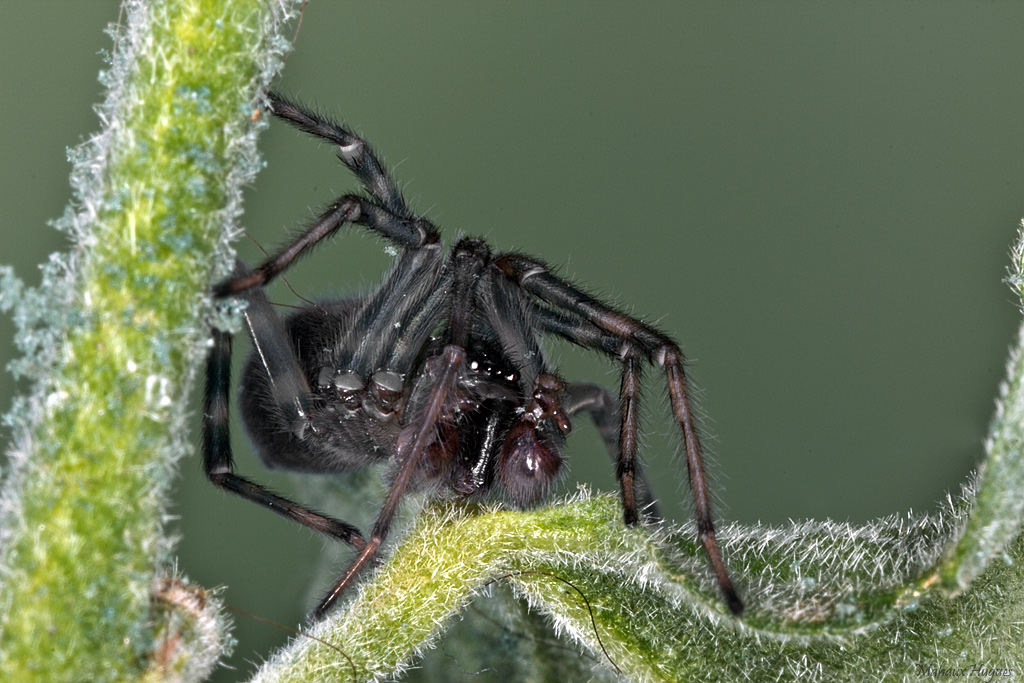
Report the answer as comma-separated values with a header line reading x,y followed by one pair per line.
x,y
439,372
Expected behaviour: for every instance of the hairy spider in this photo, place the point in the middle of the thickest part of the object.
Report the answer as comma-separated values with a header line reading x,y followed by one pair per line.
x,y
439,372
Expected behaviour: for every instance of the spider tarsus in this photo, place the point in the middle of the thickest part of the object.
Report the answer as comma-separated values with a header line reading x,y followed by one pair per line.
x,y
358,564
631,517
732,599
234,285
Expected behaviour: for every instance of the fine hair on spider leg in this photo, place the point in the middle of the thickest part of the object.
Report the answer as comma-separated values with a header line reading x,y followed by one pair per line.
x,y
438,373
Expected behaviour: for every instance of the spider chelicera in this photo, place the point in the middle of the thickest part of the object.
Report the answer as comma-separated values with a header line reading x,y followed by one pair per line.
x,y
439,372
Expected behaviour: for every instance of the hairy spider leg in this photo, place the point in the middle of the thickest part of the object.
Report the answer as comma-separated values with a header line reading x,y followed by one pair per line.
x,y
353,151
603,409
385,213
467,261
350,209
637,342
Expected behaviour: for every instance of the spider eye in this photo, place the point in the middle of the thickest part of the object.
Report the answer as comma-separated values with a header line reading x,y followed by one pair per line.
x,y
528,465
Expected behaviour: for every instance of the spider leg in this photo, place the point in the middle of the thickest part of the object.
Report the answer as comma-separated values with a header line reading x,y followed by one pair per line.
x,y
353,151
603,409
288,387
409,457
410,234
218,462
467,262
385,213
637,342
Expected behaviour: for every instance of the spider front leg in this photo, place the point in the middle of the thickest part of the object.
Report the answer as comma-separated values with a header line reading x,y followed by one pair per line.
x,y
634,342
410,452
350,209
384,212
421,431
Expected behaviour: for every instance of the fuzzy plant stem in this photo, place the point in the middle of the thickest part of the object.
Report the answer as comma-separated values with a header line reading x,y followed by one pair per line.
x,y
113,336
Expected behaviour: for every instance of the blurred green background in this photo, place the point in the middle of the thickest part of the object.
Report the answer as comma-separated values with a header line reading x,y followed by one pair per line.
x,y
816,199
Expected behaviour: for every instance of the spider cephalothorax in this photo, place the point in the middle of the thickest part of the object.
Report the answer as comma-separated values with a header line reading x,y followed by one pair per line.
x,y
439,372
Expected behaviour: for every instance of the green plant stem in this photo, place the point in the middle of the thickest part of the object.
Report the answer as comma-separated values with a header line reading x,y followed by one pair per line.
x,y
156,191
